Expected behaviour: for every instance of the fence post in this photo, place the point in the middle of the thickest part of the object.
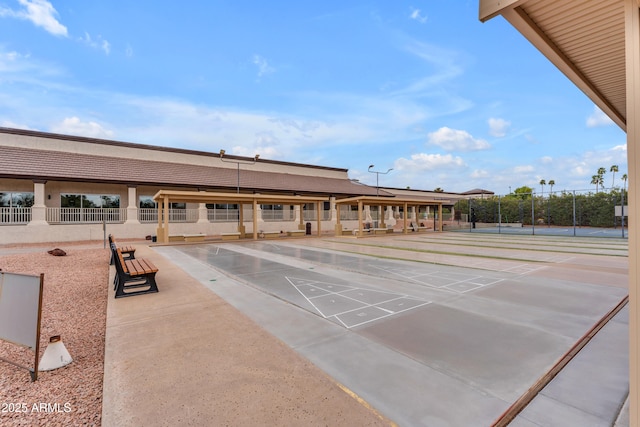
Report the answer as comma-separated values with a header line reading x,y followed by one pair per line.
x,y
533,215
499,216
574,213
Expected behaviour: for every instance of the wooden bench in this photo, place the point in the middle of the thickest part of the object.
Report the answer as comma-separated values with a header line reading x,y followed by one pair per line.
x,y
193,237
133,274
231,236
270,234
176,238
128,252
297,233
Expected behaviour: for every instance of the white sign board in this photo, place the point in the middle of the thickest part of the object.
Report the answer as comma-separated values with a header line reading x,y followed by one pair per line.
x,y
20,308
619,211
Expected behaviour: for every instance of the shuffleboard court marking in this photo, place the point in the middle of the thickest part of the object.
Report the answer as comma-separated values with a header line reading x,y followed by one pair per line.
x,y
455,282
352,306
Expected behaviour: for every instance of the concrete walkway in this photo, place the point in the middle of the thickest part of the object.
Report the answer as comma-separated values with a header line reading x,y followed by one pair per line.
x,y
392,330
185,357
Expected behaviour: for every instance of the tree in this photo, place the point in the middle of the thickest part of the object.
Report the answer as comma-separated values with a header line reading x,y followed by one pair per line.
x,y
523,192
438,190
595,180
624,178
602,171
551,184
613,169
542,184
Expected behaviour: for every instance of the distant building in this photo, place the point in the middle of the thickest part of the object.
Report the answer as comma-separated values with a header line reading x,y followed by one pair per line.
x,y
61,188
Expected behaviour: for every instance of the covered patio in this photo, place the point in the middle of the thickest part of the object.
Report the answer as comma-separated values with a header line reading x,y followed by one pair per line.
x,y
383,203
164,198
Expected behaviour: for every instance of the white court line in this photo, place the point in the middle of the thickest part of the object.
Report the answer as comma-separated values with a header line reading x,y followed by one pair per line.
x,y
383,317
365,304
305,297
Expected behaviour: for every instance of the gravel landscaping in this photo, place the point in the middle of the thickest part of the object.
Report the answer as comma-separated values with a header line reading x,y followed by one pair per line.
x,y
74,307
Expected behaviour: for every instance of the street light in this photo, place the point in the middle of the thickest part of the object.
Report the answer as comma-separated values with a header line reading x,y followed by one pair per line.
x,y
378,176
239,162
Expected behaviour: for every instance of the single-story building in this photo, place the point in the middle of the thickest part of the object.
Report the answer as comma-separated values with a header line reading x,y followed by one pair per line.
x,y
59,188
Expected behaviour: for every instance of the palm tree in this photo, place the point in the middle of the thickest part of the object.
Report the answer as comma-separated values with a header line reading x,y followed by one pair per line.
x,y
542,184
602,171
624,178
551,184
613,169
595,179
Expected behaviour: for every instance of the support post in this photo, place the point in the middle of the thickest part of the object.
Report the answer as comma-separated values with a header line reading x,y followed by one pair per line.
x,y
632,49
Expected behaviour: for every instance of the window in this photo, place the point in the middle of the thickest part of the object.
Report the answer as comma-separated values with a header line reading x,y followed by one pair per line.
x,y
16,200
87,201
147,202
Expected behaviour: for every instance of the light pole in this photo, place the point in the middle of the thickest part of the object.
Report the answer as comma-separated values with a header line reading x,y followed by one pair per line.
x,y
239,162
378,176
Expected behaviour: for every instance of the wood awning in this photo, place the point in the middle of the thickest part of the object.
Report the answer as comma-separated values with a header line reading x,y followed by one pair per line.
x,y
164,198
383,202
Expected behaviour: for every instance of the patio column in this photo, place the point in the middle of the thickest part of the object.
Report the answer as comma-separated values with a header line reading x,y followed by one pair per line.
x,y
440,217
132,205
367,214
319,218
255,219
381,223
360,218
241,228
405,212
203,215
298,216
632,49
39,209
335,208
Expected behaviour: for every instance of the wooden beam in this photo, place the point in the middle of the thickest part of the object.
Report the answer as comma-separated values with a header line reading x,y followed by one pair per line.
x,y
632,48
491,8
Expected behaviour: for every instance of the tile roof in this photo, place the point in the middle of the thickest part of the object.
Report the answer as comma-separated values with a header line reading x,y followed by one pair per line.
x,y
26,163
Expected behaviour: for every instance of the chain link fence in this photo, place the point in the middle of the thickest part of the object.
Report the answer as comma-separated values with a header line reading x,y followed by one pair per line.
x,y
562,212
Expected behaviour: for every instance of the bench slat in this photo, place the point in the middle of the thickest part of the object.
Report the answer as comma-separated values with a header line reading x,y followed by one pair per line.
x,y
147,266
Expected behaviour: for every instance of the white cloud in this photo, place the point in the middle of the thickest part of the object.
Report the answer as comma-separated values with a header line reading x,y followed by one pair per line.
x,y
99,43
480,173
263,66
523,169
13,125
456,140
428,162
41,13
416,15
498,127
546,159
598,118
73,126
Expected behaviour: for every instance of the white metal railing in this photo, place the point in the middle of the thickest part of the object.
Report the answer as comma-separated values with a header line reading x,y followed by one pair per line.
x,y
15,215
310,215
89,215
278,215
175,215
348,214
222,215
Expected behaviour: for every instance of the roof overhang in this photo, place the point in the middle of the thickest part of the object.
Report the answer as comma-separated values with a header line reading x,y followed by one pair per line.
x,y
392,201
584,40
176,196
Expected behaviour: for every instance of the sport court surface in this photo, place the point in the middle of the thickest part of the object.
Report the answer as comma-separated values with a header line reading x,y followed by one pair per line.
x,y
439,329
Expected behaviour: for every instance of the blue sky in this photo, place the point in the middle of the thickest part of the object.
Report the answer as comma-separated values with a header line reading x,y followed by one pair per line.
x,y
420,87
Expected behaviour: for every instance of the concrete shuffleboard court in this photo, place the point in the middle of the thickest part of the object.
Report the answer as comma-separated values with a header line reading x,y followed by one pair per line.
x,y
432,331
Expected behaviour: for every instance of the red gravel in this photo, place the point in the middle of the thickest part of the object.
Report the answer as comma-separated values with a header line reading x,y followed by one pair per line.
x,y
74,306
